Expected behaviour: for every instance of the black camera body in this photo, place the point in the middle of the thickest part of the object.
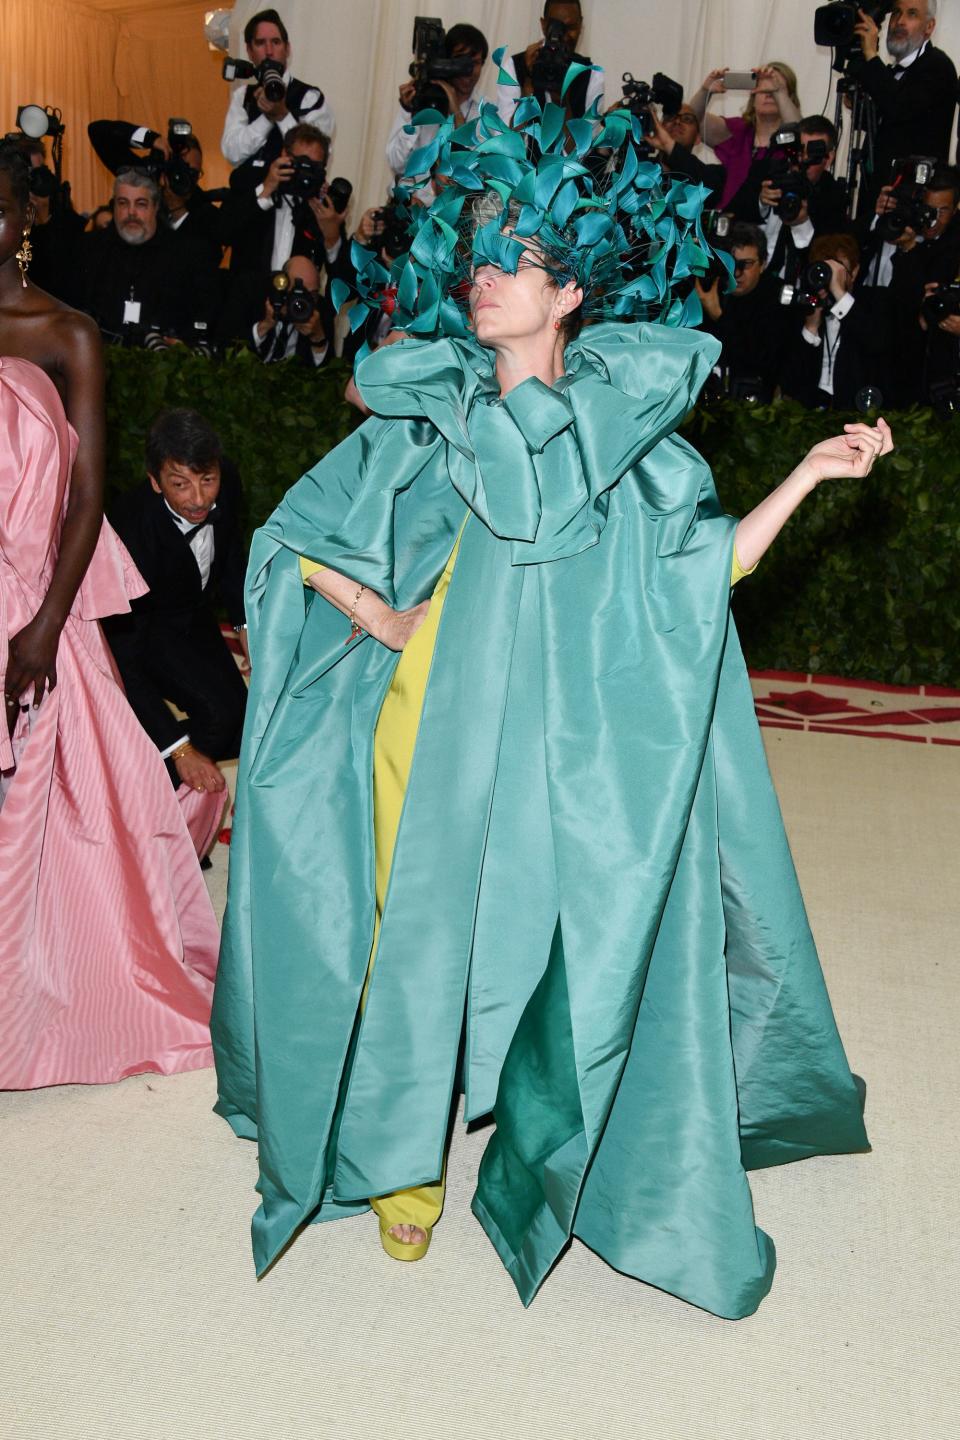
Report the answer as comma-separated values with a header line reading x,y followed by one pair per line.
x,y
662,91
788,173
307,181
552,60
941,303
808,293
834,25
432,63
394,238
180,176
43,182
911,178
269,74
291,300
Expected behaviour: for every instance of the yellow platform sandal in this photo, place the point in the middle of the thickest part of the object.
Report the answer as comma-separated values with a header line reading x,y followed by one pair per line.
x,y
402,1249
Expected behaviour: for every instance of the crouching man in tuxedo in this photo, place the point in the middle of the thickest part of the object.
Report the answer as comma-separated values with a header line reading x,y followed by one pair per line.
x,y
182,527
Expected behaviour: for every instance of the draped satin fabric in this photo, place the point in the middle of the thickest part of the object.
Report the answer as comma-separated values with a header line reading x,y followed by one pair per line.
x,y
591,873
108,945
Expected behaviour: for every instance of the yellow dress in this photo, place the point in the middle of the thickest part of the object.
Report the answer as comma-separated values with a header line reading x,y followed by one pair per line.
x,y
394,743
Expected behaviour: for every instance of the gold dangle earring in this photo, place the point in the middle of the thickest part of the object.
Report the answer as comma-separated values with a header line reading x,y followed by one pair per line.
x,y
23,257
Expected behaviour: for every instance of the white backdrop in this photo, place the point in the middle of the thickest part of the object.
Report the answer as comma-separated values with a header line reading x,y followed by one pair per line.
x,y
358,51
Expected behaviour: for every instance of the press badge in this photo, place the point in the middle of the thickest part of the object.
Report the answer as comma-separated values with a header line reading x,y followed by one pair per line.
x,y
131,312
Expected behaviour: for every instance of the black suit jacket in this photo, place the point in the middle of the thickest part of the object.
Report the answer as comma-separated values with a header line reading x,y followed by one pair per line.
x,y
177,602
163,556
915,112
751,329
167,277
861,356
923,358
249,231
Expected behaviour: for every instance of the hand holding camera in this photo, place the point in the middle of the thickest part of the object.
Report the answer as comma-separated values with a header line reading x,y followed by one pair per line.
x,y
868,32
279,174
327,216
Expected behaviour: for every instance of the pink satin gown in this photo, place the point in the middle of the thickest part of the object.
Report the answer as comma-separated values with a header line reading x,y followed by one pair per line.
x,y
108,942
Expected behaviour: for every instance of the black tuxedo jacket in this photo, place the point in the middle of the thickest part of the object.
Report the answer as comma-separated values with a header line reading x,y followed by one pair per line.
x,y
177,615
163,556
861,357
915,112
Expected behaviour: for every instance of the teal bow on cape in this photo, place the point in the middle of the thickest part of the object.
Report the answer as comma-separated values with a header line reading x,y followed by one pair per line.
x,y
591,874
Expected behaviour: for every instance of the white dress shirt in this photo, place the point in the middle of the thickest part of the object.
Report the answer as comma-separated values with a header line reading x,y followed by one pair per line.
x,y
400,145
318,353
829,337
509,96
202,544
242,138
284,230
771,225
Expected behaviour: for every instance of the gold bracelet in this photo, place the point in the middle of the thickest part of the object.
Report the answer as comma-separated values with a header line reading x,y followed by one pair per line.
x,y
355,628
180,751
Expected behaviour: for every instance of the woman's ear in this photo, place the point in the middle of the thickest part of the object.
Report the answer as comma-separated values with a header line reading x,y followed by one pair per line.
x,y
571,296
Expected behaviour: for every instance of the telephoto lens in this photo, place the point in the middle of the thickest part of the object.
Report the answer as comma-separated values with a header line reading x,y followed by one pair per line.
x,y
270,75
818,276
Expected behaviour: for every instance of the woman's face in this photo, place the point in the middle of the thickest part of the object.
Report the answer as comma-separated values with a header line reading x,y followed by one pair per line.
x,y
14,218
507,307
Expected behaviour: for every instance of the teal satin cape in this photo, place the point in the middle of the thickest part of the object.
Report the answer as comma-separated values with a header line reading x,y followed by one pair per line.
x,y
591,867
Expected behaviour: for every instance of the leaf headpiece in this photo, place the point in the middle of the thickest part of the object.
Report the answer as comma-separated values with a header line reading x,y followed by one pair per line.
x,y
579,197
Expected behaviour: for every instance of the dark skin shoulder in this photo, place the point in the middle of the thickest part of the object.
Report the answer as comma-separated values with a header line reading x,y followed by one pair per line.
x,y
66,345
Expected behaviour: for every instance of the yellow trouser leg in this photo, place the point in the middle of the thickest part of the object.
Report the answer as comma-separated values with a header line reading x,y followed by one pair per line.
x,y
394,743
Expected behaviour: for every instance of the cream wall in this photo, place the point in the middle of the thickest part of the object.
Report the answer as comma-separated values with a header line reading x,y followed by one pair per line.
x,y
358,52
143,60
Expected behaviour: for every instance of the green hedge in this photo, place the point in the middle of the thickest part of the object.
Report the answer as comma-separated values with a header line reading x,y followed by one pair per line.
x,y
864,581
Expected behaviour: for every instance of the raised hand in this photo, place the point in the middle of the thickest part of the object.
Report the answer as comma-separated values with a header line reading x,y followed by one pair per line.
x,y
850,456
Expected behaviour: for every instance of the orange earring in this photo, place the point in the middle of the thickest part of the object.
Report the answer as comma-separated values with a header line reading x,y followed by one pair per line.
x,y
556,324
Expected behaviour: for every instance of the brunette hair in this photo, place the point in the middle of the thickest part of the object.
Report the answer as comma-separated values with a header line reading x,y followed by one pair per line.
x,y
13,162
264,17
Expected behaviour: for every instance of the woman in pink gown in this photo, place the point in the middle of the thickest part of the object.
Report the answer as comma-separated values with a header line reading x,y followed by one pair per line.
x,y
108,941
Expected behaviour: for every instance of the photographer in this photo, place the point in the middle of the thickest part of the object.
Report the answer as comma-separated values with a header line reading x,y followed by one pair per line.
x,y
57,230
799,198
914,96
923,264
140,286
748,320
743,142
182,528
175,161
297,320
675,138
256,125
839,347
539,70
462,42
275,211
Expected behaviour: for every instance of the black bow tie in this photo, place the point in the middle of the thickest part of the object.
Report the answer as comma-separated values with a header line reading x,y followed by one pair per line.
x,y
189,534
898,69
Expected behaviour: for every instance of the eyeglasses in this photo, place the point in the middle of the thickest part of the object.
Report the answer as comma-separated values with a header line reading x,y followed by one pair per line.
x,y
740,265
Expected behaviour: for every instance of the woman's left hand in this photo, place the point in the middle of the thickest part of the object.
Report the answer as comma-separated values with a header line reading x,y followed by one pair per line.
x,y
32,660
849,456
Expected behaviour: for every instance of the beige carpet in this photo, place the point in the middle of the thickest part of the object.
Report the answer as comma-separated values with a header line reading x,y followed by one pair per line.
x,y
130,1310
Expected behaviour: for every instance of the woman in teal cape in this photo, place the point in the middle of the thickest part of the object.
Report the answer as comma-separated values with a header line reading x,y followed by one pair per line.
x,y
591,871
587,880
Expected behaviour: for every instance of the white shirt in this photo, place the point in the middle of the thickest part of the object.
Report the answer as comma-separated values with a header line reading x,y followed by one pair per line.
x,y
284,230
771,225
830,335
318,352
201,543
242,138
400,145
509,96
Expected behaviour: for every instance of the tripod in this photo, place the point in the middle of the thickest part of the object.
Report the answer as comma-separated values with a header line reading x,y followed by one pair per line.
x,y
863,135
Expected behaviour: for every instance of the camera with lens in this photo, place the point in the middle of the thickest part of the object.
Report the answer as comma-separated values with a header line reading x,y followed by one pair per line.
x,y
307,182
432,63
268,74
552,60
640,96
910,179
180,176
941,303
834,26
394,238
788,173
809,290
290,299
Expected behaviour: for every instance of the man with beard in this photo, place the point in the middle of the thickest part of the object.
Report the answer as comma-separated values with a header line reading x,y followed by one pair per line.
x,y
915,96
140,286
